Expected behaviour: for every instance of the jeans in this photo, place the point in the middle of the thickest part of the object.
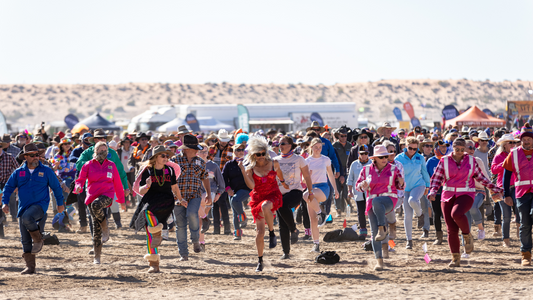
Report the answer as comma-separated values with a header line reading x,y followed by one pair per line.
x,y
28,221
236,205
525,209
412,203
329,199
181,216
376,217
455,217
424,204
474,212
497,214
286,218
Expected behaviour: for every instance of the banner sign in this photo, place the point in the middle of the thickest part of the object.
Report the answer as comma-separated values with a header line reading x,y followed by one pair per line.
x,y
243,118
449,112
71,121
398,113
519,108
409,110
415,122
190,119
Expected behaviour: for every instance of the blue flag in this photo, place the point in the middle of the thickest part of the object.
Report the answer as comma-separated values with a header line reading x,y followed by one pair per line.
x,y
398,113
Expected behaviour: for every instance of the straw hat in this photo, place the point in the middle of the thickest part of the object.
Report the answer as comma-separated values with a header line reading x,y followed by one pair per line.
x,y
385,125
223,136
482,136
161,149
100,133
315,124
507,138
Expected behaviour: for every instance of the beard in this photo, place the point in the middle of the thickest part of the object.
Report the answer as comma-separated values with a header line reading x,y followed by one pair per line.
x,y
34,163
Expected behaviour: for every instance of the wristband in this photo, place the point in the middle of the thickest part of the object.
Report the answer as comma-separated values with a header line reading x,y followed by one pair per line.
x,y
282,180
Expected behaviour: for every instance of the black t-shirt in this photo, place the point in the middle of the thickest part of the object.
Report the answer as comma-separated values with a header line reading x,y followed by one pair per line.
x,y
162,181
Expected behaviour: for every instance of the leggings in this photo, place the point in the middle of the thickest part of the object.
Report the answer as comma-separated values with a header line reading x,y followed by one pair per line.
x,y
361,209
151,221
455,217
286,218
220,207
412,204
98,216
305,217
437,209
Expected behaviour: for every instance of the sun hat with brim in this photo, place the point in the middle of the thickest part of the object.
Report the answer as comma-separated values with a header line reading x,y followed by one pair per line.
x,y
30,149
160,149
507,138
190,142
358,132
385,125
141,135
426,141
482,136
380,150
125,139
64,141
183,130
6,138
315,124
223,136
100,133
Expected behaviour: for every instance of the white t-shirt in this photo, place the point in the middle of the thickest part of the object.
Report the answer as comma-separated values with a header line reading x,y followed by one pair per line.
x,y
291,172
317,167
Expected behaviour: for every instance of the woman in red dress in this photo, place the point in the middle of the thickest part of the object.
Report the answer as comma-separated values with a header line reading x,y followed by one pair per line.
x,y
260,176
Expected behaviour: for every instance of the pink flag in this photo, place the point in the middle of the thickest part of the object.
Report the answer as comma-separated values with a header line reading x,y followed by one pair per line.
x,y
427,259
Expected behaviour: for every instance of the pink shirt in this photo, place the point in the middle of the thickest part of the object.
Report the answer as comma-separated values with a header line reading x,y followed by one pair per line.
x,y
497,168
103,179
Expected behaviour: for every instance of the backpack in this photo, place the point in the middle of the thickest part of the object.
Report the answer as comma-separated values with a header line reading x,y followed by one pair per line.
x,y
328,258
50,239
368,246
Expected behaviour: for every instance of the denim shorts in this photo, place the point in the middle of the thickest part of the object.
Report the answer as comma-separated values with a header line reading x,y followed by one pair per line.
x,y
324,187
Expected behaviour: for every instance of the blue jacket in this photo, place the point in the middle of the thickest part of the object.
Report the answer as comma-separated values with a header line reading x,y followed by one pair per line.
x,y
414,169
431,165
329,151
33,188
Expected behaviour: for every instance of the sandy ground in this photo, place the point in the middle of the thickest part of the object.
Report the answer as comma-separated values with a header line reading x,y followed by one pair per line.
x,y
227,270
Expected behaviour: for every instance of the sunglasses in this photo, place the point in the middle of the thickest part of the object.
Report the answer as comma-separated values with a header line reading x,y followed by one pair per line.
x,y
343,135
401,133
239,150
412,149
383,157
275,144
363,153
164,156
363,137
428,146
32,155
260,154
513,143
283,144
455,135
471,147
393,151
484,141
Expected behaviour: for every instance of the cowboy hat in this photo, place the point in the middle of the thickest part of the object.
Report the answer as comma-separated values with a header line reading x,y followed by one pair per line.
x,y
426,141
358,132
385,125
223,136
315,124
183,130
465,129
6,138
380,150
161,149
482,136
141,135
507,138
191,142
30,149
125,139
100,133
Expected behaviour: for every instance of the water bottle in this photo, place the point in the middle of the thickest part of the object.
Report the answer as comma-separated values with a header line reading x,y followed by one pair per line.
x,y
348,211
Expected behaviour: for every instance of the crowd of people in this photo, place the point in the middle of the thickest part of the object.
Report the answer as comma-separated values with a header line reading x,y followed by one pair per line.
x,y
188,182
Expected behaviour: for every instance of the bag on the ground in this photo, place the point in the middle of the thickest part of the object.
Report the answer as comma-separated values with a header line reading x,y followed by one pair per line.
x,y
50,239
328,258
368,246
339,235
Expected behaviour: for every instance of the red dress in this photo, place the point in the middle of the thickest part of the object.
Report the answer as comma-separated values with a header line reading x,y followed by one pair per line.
x,y
266,189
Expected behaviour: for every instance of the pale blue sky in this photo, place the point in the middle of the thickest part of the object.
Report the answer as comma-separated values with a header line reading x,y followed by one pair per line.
x,y
263,41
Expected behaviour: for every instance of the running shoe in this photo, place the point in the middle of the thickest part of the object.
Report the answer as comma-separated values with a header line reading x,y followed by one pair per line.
x,y
294,236
205,224
164,234
316,248
184,258
259,267
321,219
306,237
481,234
285,256
273,242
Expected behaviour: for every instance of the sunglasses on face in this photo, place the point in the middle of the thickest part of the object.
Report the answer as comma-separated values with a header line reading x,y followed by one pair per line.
x,y
393,151
363,153
260,154
32,155
513,143
401,133
283,144
471,147
428,146
342,135
164,156
455,135
435,139
412,149
383,157
143,139
239,150
363,137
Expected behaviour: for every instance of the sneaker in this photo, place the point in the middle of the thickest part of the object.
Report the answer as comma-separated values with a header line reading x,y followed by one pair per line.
x,y
259,267
321,219
464,255
306,237
481,234
420,221
197,248
285,256
425,234
294,236
316,248
184,258
164,234
205,224
338,213
409,245
82,229
273,242
237,238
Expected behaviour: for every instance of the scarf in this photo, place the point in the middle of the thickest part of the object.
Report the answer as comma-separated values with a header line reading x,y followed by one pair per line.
x,y
287,155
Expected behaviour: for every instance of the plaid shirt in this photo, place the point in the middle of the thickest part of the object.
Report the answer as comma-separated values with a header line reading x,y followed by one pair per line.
x,y
13,150
8,164
439,178
225,156
192,174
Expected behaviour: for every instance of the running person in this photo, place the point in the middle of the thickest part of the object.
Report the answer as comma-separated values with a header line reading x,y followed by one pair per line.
x,y
456,173
360,197
260,176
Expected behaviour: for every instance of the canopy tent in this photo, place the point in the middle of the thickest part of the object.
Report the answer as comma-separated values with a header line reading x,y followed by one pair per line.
x,y
475,117
97,121
206,124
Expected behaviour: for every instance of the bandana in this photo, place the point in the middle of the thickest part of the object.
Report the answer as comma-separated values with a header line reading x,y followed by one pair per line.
x,y
287,155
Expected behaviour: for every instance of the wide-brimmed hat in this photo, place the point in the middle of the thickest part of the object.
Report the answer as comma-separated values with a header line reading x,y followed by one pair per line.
x,y
482,136
315,124
6,138
507,138
100,133
385,125
380,150
190,142
183,130
161,149
426,141
465,129
64,141
125,139
30,149
141,135
223,136
358,132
